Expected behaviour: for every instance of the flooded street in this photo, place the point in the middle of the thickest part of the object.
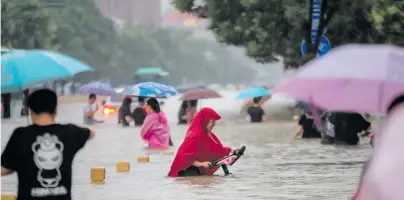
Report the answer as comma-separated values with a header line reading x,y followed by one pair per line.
x,y
275,166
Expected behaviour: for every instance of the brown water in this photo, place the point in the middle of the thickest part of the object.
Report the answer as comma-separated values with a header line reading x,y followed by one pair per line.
x,y
274,166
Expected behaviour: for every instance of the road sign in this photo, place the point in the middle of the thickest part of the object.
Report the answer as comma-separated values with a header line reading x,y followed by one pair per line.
x,y
315,18
324,47
325,44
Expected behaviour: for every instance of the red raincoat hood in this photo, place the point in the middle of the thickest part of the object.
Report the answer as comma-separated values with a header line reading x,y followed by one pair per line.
x,y
199,146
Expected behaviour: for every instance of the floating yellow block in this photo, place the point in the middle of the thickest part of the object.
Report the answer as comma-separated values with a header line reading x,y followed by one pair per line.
x,y
168,153
123,166
98,175
143,159
8,197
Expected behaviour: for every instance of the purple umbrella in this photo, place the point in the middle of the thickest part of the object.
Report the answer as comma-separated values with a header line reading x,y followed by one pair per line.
x,y
356,78
98,88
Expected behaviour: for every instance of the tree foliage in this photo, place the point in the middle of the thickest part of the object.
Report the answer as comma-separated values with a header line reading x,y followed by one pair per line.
x,y
77,28
388,16
83,32
271,28
178,52
26,24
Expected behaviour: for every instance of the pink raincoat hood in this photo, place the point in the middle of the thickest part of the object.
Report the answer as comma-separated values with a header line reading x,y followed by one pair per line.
x,y
155,130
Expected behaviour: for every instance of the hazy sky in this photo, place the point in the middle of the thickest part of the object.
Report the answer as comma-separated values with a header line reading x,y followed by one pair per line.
x,y
273,72
165,5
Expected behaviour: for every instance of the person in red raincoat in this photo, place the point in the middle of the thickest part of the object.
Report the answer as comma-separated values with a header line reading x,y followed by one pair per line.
x,y
200,147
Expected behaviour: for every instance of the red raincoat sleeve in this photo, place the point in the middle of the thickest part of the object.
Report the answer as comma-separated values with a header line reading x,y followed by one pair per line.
x,y
226,150
186,156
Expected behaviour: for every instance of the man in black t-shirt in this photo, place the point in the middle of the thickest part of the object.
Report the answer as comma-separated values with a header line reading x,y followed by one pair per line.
x,y
306,126
348,126
138,114
42,154
255,112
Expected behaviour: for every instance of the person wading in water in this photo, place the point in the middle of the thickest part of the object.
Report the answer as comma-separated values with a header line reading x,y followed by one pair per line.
x,y
42,154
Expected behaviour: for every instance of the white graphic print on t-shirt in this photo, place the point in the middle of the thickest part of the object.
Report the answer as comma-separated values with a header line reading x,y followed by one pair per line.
x,y
48,157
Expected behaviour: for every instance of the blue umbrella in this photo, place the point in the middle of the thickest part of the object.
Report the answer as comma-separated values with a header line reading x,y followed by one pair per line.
x,y
98,88
23,69
253,92
7,50
149,89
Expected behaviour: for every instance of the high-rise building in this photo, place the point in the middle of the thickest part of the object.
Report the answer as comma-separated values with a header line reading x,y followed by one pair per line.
x,y
132,11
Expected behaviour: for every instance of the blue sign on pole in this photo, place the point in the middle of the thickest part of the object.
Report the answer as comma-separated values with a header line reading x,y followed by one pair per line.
x,y
325,44
315,19
324,47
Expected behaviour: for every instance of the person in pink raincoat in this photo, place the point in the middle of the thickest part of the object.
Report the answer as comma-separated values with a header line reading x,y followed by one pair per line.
x,y
383,177
155,129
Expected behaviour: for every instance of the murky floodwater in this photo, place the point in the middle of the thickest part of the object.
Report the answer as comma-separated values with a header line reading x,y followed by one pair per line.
x,y
274,165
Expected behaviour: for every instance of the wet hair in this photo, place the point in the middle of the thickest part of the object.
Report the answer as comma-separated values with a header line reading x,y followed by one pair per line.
x,y
154,104
307,110
92,96
193,103
43,101
140,99
205,126
397,101
127,101
257,99
184,105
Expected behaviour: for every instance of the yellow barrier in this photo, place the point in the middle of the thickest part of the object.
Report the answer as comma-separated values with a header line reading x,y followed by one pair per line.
x,y
168,153
98,175
8,197
123,166
143,159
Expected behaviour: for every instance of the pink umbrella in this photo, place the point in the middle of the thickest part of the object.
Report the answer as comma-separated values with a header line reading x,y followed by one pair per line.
x,y
354,77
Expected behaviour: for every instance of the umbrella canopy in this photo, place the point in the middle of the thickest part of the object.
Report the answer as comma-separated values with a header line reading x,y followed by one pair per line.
x,y
195,94
254,92
98,88
149,89
185,87
5,50
21,70
351,78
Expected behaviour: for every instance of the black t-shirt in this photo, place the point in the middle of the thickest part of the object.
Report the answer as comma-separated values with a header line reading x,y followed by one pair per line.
x,y
255,113
124,111
42,157
348,126
309,128
139,115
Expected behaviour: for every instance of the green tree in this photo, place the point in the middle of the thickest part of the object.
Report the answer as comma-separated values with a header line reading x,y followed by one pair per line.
x,y
136,47
174,50
25,24
84,33
388,18
271,28
198,59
